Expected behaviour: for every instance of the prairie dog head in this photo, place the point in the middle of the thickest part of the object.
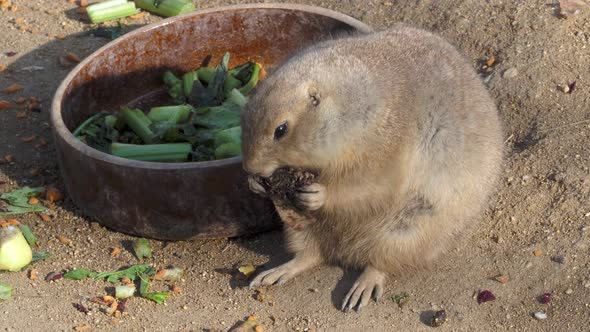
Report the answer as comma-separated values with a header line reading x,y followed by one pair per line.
x,y
307,114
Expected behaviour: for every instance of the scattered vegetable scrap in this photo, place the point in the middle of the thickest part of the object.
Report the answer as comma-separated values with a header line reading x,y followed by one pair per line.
x,y
33,274
15,252
10,54
115,252
53,276
571,7
503,279
485,296
84,327
124,291
401,299
142,249
5,291
545,298
166,8
81,308
540,315
537,252
247,270
65,240
39,256
14,88
438,319
29,139
5,104
28,234
249,324
171,274
18,200
2,68
490,61
21,115
44,217
571,87
204,125
52,194
110,10
72,57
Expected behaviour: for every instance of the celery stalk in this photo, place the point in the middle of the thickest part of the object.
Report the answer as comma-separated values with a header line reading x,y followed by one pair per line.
x,y
253,80
205,74
227,150
187,82
230,83
110,10
172,114
236,97
153,152
166,7
138,122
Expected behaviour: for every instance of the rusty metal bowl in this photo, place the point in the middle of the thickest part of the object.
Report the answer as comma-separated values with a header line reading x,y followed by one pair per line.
x,y
176,201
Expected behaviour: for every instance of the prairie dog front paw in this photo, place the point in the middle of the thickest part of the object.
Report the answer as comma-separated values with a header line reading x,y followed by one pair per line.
x,y
311,197
256,186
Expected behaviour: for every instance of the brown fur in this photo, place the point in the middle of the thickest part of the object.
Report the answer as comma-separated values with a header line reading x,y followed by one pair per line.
x,y
405,137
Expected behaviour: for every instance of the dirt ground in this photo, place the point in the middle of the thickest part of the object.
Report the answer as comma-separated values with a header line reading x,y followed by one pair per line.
x,y
541,210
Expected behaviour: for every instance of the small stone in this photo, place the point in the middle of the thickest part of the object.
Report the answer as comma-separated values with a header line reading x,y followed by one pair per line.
x,y
439,318
559,259
537,252
587,284
510,73
540,315
569,291
565,88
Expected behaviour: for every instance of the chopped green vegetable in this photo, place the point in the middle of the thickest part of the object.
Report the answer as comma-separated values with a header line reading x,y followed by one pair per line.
x,y
157,297
142,249
205,74
28,234
15,252
174,87
166,8
154,152
228,150
79,274
172,114
132,273
5,291
187,82
203,125
139,122
125,291
18,201
110,10
39,256
253,80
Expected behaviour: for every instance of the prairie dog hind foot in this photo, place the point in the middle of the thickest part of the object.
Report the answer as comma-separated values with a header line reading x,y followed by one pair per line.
x,y
369,284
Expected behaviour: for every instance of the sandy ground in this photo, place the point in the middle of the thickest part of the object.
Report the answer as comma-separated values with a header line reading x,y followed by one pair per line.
x,y
542,204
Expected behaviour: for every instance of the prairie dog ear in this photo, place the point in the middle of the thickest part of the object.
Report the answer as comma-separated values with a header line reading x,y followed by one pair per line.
x,y
314,94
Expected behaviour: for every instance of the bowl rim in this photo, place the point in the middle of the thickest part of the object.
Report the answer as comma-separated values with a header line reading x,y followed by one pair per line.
x,y
63,132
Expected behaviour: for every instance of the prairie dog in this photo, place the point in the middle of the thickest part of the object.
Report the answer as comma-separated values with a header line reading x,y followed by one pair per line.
x,y
405,138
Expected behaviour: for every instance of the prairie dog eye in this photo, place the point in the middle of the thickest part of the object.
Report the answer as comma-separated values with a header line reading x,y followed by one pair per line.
x,y
281,130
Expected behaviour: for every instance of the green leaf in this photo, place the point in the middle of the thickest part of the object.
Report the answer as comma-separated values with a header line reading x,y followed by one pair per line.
x,y
401,298
132,273
5,291
28,234
79,274
220,117
157,297
18,201
142,249
213,94
39,256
